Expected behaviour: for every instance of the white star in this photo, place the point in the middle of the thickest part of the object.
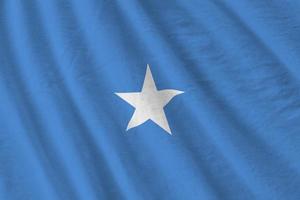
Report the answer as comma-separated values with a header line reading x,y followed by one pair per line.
x,y
149,103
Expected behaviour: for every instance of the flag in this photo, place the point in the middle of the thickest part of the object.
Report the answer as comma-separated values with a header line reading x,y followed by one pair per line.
x,y
149,99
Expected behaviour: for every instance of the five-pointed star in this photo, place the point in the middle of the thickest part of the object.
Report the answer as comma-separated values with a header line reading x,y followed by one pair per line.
x,y
149,103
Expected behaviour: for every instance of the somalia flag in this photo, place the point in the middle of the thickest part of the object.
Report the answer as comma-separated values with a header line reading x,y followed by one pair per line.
x,y
149,100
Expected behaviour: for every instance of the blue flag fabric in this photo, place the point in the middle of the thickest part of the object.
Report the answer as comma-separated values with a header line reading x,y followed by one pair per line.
x,y
72,73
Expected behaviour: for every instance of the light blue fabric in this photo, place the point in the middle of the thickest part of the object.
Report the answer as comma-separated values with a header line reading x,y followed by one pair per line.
x,y
236,129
